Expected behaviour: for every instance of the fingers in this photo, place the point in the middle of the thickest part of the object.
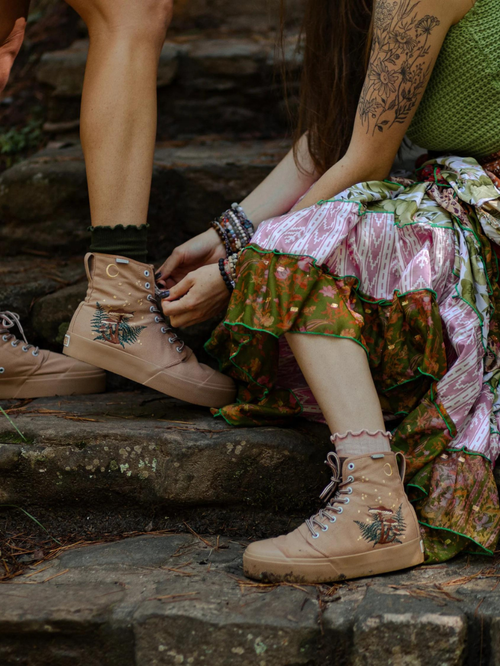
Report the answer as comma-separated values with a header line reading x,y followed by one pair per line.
x,y
180,289
169,266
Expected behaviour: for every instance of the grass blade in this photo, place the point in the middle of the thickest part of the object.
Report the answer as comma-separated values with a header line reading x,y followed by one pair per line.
x,y
14,506
12,424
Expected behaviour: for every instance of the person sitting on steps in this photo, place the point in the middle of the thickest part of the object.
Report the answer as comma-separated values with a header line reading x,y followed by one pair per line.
x,y
361,297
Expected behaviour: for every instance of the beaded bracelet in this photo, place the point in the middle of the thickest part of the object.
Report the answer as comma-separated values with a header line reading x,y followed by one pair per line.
x,y
234,229
227,280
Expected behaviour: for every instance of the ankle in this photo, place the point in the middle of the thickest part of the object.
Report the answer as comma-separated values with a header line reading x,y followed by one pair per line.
x,y
126,241
357,443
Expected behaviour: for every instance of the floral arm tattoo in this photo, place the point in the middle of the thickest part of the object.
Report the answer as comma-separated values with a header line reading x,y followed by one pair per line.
x,y
399,66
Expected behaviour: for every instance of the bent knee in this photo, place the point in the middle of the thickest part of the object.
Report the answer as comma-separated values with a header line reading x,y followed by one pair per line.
x,y
9,48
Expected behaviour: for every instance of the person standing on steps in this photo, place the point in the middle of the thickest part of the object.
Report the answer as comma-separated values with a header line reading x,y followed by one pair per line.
x,y
25,370
364,298
118,327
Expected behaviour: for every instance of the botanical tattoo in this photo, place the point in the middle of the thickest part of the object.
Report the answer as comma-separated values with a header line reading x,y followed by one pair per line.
x,y
398,68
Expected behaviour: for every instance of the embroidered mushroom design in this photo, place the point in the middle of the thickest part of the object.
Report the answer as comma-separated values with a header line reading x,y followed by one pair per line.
x,y
385,526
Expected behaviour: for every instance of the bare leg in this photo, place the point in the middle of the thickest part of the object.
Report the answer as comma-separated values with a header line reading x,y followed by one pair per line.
x,y
339,376
13,15
118,118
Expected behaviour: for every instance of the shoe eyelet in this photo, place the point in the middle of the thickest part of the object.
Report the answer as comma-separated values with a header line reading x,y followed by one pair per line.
x,y
350,466
324,528
171,340
349,490
315,536
157,319
25,349
350,478
333,519
340,509
163,329
149,298
34,353
152,308
146,273
179,349
147,285
5,338
2,370
346,500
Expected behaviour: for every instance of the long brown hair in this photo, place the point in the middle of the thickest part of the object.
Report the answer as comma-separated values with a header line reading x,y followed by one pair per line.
x,y
336,41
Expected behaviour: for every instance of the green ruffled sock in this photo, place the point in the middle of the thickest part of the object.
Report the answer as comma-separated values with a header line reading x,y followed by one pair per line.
x,y
129,241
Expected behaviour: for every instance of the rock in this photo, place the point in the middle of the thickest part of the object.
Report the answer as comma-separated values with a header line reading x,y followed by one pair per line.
x,y
220,85
44,204
25,279
258,16
54,311
44,200
391,629
495,641
144,450
180,599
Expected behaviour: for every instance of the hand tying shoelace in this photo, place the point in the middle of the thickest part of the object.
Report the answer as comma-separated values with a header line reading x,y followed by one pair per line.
x,y
165,329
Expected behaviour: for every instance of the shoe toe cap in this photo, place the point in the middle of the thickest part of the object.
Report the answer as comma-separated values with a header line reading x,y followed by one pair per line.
x,y
264,550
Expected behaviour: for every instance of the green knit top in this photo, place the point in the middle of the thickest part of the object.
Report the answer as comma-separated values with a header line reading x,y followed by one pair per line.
x,y
460,110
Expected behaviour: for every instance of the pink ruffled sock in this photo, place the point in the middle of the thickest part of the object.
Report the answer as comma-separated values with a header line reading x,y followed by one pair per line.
x,y
357,443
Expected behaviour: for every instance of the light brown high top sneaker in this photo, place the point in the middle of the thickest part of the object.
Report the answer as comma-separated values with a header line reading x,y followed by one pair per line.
x,y
368,527
29,372
119,327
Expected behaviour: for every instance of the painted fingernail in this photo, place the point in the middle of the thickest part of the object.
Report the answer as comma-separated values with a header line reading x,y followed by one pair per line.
x,y
157,275
164,294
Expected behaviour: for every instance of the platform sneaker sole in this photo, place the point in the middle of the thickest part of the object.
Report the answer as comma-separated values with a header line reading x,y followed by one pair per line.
x,y
148,374
313,571
78,383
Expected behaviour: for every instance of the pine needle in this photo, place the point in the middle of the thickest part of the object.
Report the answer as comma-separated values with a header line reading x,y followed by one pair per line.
x,y
13,424
13,506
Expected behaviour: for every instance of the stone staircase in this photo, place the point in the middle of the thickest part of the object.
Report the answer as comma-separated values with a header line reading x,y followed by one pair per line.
x,y
134,461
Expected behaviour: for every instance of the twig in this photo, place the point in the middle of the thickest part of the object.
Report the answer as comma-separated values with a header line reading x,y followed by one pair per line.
x,y
174,597
54,576
207,543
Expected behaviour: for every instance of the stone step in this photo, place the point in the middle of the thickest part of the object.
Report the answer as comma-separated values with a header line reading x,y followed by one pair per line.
x,y
228,15
227,84
44,201
142,450
178,599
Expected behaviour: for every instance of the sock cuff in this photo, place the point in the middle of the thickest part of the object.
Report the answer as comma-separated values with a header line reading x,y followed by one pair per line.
x,y
127,241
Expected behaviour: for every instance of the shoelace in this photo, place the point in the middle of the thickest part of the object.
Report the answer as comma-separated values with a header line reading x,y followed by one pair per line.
x,y
10,320
333,494
164,329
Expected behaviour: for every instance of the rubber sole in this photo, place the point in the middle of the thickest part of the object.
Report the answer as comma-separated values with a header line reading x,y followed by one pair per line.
x,y
145,373
314,571
47,386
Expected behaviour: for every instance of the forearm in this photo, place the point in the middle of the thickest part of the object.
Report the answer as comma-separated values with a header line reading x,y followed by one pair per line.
x,y
281,189
348,171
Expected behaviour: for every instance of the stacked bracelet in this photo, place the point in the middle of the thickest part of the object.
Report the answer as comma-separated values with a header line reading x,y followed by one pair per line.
x,y
234,229
227,280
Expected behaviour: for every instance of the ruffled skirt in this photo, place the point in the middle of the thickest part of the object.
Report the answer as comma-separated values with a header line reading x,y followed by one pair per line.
x,y
405,268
